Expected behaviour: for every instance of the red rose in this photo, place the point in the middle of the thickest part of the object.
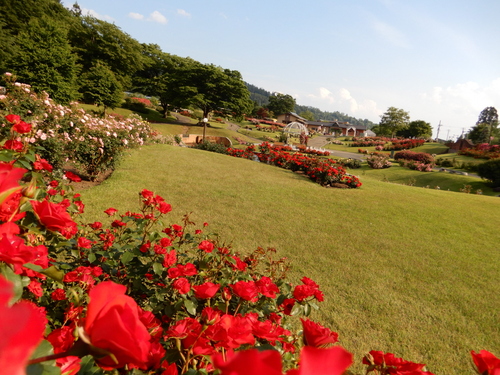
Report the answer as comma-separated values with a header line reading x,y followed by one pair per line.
x,y
22,127
246,290
13,119
21,331
55,218
332,361
84,243
206,290
113,327
13,145
318,336
111,211
249,362
486,362
72,177
182,285
42,164
206,246
58,295
266,287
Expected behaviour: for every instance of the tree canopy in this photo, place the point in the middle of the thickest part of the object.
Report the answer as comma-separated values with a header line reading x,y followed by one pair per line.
x,y
416,129
486,128
281,103
392,121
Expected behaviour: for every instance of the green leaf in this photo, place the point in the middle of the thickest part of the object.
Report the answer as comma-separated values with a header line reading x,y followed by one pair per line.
x,y
158,268
190,306
127,257
43,368
15,279
92,257
33,267
307,310
25,164
88,367
296,309
54,273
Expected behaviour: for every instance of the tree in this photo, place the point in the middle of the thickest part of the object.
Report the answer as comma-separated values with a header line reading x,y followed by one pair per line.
x,y
416,129
100,87
392,121
308,115
94,39
45,60
489,118
211,88
281,103
479,133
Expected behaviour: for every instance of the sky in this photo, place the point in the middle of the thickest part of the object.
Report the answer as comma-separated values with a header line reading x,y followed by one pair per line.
x,y
439,60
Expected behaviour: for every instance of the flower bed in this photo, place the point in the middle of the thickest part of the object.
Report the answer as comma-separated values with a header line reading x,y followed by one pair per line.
x,y
482,151
67,134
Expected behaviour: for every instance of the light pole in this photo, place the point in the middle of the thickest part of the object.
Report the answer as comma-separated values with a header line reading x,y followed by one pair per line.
x,y
205,120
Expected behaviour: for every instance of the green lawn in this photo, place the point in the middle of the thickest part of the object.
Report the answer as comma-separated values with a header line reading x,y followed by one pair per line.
x,y
408,270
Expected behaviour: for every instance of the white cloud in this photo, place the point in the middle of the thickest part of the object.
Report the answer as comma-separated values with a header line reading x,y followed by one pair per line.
x,y
468,95
157,17
183,13
136,16
345,102
390,34
93,13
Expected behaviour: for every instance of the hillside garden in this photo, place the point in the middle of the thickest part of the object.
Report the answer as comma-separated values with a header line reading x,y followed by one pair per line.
x,y
166,269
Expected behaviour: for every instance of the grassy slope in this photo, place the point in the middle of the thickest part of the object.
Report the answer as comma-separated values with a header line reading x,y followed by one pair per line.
x,y
413,271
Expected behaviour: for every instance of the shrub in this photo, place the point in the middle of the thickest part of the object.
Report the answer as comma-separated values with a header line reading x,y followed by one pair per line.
x,y
351,163
416,165
422,157
213,147
490,171
379,161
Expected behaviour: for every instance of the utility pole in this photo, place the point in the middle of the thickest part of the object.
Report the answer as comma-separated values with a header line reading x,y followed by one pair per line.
x,y
439,127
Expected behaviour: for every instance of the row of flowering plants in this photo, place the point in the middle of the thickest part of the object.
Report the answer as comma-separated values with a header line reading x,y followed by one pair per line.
x,y
132,294
324,171
404,144
422,157
482,151
66,134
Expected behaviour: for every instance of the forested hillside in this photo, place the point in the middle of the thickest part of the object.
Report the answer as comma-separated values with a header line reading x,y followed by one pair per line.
x,y
261,97
73,56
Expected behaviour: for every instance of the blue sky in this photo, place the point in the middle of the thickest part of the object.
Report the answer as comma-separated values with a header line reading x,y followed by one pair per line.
x,y
437,59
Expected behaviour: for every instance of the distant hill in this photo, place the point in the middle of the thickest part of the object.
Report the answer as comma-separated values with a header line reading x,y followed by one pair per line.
x,y
261,97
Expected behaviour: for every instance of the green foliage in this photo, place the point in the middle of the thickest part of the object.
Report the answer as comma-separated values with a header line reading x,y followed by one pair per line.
x,y
281,103
416,129
100,87
211,146
490,171
45,60
308,115
392,121
96,40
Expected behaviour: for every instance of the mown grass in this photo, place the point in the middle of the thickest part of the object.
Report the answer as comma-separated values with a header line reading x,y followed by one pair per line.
x,y
432,180
407,270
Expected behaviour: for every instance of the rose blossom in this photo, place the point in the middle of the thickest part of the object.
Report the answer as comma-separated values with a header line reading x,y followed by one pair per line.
x,y
113,327
316,335
206,290
55,218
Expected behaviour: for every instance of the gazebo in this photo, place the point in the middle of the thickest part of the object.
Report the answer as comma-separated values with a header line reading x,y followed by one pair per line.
x,y
295,129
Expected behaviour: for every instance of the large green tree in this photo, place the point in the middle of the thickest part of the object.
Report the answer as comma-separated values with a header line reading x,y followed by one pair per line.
x,y
392,121
45,60
281,103
416,129
100,87
94,39
209,88
486,128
